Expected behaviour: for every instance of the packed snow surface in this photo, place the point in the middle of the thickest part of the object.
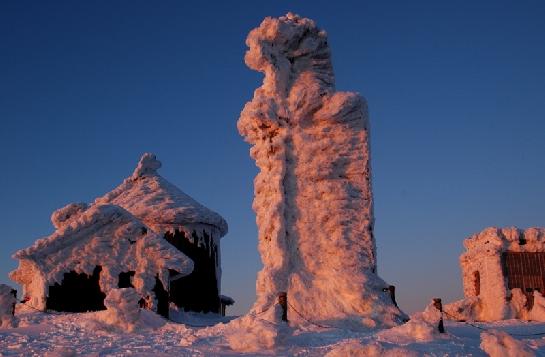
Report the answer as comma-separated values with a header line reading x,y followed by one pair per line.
x,y
313,195
87,334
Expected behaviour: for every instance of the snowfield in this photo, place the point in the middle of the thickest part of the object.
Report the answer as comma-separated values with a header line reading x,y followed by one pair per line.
x,y
84,334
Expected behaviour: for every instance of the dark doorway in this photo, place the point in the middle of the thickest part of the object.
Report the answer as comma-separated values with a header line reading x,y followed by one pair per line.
x,y
162,298
77,293
197,291
125,279
477,283
526,271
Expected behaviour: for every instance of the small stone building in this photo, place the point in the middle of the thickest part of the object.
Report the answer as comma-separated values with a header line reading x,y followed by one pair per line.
x,y
145,234
503,273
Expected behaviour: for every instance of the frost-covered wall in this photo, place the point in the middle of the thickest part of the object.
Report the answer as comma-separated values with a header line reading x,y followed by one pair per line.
x,y
313,196
484,274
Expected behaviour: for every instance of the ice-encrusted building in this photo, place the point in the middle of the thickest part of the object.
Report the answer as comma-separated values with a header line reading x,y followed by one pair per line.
x,y
503,273
145,234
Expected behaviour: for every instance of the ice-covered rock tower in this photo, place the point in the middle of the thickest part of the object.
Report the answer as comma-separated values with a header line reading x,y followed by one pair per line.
x,y
313,196
145,234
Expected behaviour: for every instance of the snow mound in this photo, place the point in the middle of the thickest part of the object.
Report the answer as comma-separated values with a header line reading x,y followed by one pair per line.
x,y
430,315
102,322
123,313
253,333
7,305
517,305
160,204
422,327
464,309
355,348
252,337
471,308
122,309
413,331
500,344
538,310
313,197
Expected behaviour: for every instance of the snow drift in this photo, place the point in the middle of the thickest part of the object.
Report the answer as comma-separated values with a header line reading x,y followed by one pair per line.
x,y
356,348
500,344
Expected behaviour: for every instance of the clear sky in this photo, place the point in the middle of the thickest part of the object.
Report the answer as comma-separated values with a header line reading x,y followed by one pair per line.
x,y
456,92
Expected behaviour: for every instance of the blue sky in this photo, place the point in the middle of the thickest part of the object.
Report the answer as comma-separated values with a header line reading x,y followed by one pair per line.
x,y
456,93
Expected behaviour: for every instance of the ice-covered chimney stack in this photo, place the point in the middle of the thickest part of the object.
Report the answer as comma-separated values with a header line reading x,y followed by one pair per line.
x,y
147,166
313,196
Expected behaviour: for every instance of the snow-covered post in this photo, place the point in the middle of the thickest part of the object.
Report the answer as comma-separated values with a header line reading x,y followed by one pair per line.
x,y
439,306
8,299
283,302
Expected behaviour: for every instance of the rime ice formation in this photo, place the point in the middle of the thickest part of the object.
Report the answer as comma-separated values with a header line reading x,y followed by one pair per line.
x,y
491,292
146,233
122,308
313,195
7,305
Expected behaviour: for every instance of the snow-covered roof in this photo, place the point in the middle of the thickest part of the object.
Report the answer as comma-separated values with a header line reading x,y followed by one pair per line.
x,y
80,226
105,235
157,202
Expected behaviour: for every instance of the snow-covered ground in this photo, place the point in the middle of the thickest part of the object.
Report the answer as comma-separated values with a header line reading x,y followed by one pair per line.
x,y
66,334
